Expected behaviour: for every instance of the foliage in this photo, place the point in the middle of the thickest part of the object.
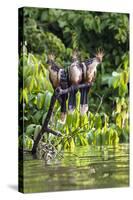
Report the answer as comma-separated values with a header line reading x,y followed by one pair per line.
x,y
60,31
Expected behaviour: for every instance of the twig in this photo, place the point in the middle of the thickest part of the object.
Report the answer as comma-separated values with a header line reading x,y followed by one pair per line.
x,y
78,130
101,101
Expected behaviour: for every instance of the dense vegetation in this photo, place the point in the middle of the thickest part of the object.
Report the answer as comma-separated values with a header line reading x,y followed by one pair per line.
x,y
60,31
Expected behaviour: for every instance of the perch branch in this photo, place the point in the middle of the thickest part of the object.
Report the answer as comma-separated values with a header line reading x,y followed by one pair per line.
x,y
73,87
45,124
55,96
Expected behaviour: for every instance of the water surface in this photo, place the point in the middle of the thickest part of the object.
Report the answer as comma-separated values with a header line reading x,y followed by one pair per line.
x,y
85,168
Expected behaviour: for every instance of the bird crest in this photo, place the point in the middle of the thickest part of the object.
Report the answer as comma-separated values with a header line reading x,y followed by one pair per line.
x,y
99,53
75,55
51,57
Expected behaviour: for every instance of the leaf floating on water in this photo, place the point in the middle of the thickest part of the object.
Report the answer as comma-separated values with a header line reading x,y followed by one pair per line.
x,y
105,175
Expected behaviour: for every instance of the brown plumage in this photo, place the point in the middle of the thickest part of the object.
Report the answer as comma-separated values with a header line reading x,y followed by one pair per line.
x,y
75,77
54,71
58,78
89,74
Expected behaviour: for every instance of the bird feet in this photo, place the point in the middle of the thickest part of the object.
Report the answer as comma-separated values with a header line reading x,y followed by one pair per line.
x,y
57,91
73,87
83,109
71,109
63,117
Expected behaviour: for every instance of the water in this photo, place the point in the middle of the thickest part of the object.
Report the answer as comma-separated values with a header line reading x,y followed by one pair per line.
x,y
85,168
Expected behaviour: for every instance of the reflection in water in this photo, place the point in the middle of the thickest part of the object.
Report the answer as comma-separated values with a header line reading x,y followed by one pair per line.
x,y
85,168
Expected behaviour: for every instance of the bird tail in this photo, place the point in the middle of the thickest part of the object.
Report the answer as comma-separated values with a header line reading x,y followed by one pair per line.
x,y
72,101
63,108
63,76
84,100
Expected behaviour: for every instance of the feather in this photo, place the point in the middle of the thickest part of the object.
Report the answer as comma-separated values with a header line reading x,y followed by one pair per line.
x,y
89,68
58,77
84,100
75,77
72,101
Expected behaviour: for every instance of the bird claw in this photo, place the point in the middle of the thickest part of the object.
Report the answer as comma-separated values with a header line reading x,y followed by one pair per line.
x,y
83,109
63,118
57,91
73,87
71,109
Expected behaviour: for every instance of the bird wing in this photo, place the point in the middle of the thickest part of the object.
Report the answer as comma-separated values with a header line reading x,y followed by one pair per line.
x,y
89,61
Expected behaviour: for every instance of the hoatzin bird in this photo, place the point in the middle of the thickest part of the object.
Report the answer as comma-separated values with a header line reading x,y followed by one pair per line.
x,y
75,77
89,68
58,78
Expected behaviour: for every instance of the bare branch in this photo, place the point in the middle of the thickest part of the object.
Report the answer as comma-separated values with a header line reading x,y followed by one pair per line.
x,y
55,96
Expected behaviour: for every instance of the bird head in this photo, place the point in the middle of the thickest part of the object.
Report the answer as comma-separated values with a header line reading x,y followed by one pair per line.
x,y
50,60
99,55
75,55
51,57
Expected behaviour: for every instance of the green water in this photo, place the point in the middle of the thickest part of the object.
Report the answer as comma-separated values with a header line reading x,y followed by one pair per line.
x,y
85,168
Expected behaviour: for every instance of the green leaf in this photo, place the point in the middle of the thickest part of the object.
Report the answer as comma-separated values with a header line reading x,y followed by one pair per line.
x,y
37,130
72,145
27,143
44,116
119,120
48,96
40,100
31,84
30,130
98,121
37,116
25,95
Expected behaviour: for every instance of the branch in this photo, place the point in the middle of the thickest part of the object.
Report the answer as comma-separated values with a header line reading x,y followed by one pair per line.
x,y
45,124
58,91
48,130
71,88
